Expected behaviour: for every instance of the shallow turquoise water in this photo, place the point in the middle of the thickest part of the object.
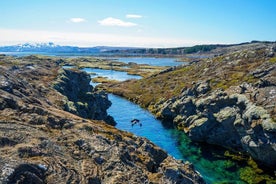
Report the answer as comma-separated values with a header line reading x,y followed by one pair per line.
x,y
211,164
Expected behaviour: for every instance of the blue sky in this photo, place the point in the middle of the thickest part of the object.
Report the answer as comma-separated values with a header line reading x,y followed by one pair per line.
x,y
143,23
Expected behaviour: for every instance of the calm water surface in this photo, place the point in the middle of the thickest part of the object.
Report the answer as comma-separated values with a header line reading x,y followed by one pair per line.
x,y
212,167
110,74
124,111
138,60
151,61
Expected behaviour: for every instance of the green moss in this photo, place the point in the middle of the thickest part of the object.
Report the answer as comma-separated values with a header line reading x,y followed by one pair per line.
x,y
272,60
253,175
70,106
237,156
218,59
232,80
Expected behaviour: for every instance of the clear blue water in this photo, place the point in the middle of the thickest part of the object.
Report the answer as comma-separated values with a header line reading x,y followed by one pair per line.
x,y
124,111
110,74
212,167
151,61
68,67
139,60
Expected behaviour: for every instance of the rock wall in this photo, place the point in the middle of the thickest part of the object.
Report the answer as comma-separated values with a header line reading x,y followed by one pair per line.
x,y
226,118
81,99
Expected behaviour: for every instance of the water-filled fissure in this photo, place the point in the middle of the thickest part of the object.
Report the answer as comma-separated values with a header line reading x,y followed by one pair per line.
x,y
210,162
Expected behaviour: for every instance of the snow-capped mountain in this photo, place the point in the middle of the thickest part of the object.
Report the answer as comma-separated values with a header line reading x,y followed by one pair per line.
x,y
38,47
53,48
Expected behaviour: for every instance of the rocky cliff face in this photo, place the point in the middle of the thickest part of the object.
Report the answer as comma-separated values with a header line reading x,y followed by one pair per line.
x,y
81,99
240,118
42,143
227,119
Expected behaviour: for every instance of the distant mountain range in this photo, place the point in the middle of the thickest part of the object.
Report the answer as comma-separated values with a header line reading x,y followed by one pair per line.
x,y
53,48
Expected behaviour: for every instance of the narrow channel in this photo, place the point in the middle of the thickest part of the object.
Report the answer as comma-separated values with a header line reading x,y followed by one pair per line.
x,y
123,111
176,143
210,162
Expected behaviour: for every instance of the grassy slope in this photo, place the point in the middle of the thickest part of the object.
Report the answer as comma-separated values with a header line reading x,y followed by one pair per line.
x,y
223,72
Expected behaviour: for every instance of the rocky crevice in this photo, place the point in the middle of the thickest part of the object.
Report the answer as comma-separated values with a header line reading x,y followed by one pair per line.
x,y
42,143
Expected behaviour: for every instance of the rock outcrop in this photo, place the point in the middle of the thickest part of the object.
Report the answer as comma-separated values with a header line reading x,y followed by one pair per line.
x,y
227,118
81,99
42,143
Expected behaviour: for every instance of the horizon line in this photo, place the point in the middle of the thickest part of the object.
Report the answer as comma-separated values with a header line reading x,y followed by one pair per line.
x,y
137,47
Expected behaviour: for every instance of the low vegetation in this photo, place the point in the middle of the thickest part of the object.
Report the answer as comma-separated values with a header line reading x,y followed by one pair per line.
x,y
111,64
222,72
246,70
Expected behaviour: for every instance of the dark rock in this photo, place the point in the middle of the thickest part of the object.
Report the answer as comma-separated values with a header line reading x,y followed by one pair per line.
x,y
263,83
8,102
30,152
99,160
5,141
94,180
56,123
263,71
27,174
82,100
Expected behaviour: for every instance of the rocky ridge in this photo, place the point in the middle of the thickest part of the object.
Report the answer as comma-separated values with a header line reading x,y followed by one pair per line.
x,y
221,118
42,143
240,117
228,100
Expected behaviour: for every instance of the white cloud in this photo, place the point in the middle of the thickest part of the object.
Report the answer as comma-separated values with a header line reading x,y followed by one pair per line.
x,y
11,36
133,16
110,21
77,20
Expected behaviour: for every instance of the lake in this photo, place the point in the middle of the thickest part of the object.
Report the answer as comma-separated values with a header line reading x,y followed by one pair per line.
x,y
139,60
